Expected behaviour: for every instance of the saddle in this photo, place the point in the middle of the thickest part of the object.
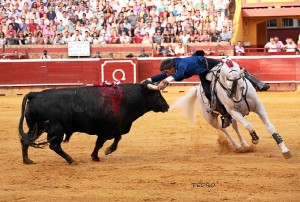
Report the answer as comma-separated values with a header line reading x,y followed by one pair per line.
x,y
216,106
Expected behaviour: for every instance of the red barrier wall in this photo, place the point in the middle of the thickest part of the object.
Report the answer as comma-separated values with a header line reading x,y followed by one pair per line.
x,y
88,71
267,68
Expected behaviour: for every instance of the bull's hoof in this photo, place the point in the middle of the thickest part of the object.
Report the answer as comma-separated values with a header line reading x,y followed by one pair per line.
x,y
287,155
28,161
95,158
73,163
108,151
255,141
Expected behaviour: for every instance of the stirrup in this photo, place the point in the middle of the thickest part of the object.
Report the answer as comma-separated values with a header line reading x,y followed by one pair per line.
x,y
213,104
226,120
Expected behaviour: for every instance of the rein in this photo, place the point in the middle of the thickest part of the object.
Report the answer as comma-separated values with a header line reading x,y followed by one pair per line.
x,y
231,93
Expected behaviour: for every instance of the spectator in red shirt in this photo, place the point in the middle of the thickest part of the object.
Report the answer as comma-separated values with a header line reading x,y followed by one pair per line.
x,y
138,38
32,25
10,30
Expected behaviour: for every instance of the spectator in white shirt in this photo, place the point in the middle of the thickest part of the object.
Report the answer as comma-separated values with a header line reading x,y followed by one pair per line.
x,y
290,45
179,49
76,36
271,46
239,49
87,37
124,39
185,38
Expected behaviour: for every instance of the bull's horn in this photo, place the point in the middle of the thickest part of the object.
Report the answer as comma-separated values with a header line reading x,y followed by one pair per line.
x,y
152,87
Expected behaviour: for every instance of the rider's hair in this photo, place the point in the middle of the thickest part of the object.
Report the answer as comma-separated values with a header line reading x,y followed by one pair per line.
x,y
167,64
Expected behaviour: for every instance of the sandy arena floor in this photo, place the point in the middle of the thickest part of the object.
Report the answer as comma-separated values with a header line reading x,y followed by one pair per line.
x,y
163,158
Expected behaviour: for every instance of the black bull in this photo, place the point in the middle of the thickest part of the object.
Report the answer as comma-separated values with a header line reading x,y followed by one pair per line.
x,y
107,112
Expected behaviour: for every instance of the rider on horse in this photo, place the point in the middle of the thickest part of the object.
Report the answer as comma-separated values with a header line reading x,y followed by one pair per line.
x,y
177,69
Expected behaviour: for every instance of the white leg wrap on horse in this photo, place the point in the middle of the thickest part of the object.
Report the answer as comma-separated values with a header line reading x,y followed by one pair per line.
x,y
285,151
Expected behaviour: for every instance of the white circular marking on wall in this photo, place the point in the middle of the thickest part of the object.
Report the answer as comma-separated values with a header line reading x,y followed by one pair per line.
x,y
118,70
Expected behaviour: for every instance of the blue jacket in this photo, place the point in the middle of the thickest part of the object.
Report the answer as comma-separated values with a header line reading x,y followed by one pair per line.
x,y
185,68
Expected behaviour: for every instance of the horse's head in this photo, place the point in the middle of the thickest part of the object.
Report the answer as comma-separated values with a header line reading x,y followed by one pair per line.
x,y
231,78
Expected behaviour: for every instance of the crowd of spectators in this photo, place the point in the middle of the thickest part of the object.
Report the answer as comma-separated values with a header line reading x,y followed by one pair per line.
x,y
114,21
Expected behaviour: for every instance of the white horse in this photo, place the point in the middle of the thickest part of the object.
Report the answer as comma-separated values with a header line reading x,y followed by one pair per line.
x,y
238,96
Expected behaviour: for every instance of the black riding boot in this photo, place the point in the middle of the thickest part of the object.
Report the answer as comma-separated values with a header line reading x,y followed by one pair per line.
x,y
262,86
225,118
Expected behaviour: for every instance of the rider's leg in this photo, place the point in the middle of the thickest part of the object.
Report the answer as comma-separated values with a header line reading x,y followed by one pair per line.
x,y
206,86
226,118
255,82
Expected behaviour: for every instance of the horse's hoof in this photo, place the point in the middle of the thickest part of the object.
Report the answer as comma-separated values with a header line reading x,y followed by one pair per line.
x,y
108,151
287,155
247,149
239,150
255,141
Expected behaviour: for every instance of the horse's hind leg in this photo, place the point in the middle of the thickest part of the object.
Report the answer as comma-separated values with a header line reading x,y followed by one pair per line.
x,y
261,111
236,129
233,141
213,121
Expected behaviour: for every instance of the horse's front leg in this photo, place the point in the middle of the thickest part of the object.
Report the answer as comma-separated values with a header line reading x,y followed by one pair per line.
x,y
239,118
261,111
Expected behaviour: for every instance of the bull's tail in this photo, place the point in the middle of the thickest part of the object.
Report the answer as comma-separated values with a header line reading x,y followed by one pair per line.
x,y
26,98
187,103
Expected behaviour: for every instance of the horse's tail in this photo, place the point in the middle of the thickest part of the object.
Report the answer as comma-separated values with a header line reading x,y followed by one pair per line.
x,y
187,104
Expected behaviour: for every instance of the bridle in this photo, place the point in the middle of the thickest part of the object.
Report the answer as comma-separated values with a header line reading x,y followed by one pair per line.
x,y
231,93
